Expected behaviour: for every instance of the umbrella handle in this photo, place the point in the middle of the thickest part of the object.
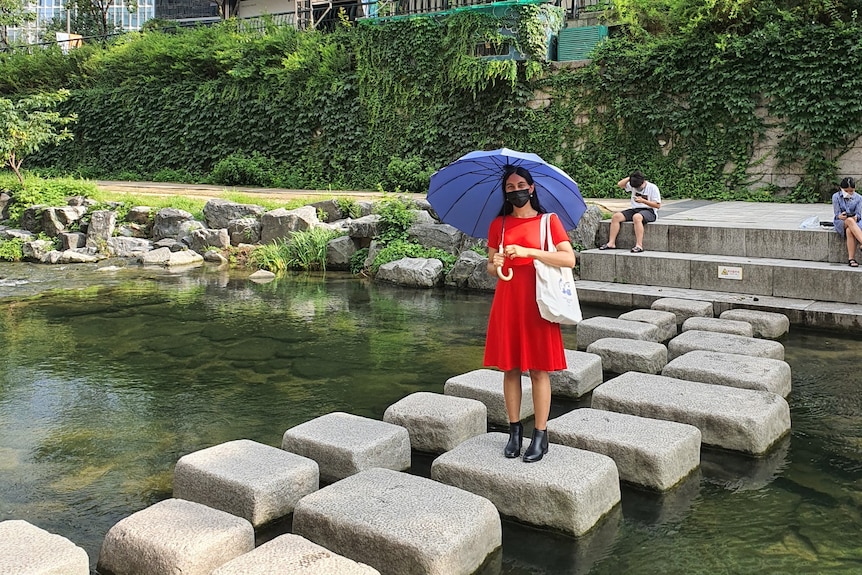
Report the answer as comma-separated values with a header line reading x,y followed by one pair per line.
x,y
503,276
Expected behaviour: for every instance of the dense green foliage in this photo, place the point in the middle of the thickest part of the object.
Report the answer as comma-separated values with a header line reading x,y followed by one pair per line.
x,y
304,250
27,124
680,93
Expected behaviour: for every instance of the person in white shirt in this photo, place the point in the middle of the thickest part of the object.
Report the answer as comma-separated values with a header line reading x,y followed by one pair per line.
x,y
645,202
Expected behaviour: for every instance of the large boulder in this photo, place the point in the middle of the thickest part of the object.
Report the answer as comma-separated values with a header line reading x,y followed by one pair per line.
x,y
442,236
364,228
209,238
36,250
412,272
218,213
588,227
4,205
174,223
244,231
470,271
339,251
282,224
57,220
101,229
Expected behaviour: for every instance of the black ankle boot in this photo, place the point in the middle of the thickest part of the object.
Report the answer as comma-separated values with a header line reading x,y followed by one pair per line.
x,y
516,436
538,446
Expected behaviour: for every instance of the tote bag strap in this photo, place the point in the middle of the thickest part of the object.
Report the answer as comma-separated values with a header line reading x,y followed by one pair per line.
x,y
546,234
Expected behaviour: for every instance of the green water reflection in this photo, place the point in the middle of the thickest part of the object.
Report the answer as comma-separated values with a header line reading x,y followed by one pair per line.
x,y
103,388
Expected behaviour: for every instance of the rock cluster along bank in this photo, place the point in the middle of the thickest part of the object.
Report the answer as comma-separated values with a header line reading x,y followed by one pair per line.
x,y
172,237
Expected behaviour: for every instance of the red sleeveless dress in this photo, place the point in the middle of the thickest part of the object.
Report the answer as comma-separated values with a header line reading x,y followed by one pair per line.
x,y
518,337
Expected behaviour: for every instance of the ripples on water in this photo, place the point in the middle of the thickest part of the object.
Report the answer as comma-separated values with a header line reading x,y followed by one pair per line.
x,y
103,388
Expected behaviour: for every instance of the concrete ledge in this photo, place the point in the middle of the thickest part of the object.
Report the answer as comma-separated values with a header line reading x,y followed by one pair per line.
x,y
694,339
569,490
486,385
401,524
174,536
665,321
437,423
650,452
767,325
294,555
734,370
343,444
683,308
583,374
737,419
622,355
245,478
717,325
28,550
596,328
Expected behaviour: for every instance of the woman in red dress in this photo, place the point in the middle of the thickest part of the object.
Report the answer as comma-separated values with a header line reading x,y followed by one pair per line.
x,y
519,339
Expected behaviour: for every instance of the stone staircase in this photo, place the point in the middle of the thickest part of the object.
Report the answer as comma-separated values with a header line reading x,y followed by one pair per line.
x,y
800,272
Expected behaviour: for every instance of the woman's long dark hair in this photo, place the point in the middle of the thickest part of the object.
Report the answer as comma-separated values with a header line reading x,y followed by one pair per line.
x,y
508,170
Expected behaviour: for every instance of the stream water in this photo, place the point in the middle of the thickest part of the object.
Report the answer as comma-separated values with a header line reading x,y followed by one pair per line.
x,y
108,377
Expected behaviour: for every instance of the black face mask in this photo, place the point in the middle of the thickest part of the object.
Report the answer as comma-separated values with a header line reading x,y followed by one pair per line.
x,y
518,198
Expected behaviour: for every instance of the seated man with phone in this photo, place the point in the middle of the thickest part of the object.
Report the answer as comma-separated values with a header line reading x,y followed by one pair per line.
x,y
645,202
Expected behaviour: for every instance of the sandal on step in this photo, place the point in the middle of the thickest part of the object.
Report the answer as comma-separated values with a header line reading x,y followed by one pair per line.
x,y
607,247
853,264
637,250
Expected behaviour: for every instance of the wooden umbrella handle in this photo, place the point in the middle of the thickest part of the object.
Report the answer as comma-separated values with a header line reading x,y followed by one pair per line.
x,y
503,276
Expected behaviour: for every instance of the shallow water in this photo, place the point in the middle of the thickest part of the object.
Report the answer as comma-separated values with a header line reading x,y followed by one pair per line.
x,y
103,388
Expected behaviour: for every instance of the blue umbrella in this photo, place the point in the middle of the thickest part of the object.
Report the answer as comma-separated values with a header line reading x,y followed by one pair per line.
x,y
468,193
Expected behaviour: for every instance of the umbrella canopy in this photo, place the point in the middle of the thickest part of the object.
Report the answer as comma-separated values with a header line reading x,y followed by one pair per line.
x,y
468,193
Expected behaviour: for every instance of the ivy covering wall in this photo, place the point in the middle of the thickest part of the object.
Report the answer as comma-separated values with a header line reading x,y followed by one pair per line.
x,y
388,102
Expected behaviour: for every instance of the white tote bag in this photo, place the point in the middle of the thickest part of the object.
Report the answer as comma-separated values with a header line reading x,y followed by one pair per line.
x,y
555,287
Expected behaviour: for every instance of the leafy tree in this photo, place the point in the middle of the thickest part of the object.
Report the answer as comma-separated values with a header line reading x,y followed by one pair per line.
x,y
29,124
13,14
96,11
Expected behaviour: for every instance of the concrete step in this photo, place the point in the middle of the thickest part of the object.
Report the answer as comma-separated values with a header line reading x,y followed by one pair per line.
x,y
733,239
804,312
757,276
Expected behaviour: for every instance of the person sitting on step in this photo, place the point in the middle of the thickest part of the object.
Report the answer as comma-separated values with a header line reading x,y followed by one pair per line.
x,y
847,206
645,202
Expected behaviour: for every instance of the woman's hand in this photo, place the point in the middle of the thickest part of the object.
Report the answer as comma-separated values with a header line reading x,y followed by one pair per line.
x,y
515,251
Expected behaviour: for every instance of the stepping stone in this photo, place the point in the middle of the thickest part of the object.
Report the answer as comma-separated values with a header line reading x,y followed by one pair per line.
x,y
569,489
599,327
583,374
665,321
295,555
401,523
622,355
695,339
436,422
486,385
650,452
245,478
343,444
683,308
174,536
731,369
767,325
736,419
29,550
717,325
